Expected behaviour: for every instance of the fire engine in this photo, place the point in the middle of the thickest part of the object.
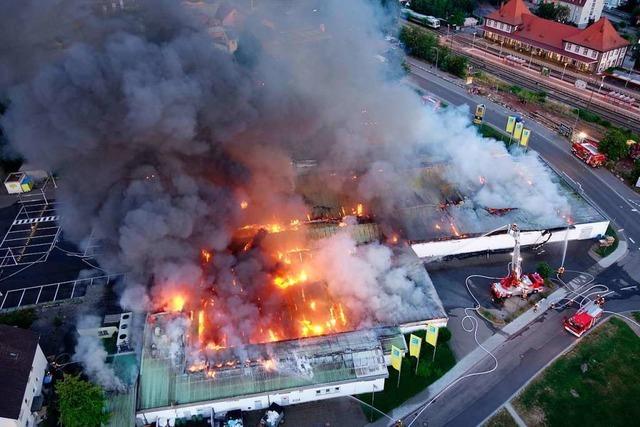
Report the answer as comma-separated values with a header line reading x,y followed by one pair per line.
x,y
584,319
517,283
587,151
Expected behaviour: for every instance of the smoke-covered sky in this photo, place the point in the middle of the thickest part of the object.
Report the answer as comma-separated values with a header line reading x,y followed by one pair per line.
x,y
158,134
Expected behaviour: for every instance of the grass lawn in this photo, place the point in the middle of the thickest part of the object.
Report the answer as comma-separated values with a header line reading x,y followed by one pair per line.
x,y
596,383
501,419
489,131
603,252
410,383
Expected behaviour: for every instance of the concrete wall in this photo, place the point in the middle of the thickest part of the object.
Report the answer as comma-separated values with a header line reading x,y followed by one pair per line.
x,y
6,422
258,402
504,241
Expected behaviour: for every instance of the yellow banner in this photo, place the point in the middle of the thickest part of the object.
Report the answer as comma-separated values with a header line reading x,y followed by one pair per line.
x,y
517,132
524,139
396,358
415,343
511,121
432,335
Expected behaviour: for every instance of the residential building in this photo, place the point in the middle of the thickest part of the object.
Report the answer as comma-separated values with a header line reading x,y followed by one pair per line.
x,y
582,12
592,49
22,370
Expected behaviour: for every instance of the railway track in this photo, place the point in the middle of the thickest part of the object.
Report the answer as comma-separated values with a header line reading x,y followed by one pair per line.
x,y
529,83
617,118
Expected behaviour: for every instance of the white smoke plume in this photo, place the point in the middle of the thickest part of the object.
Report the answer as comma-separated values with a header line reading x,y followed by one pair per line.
x,y
92,355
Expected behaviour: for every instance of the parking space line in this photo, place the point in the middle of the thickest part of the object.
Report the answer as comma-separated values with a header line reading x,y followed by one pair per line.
x,y
89,282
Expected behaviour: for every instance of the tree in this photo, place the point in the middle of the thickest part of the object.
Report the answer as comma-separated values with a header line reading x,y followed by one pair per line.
x,y
614,144
544,269
81,403
552,12
456,65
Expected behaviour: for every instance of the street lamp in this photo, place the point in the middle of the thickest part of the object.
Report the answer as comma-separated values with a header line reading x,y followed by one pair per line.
x,y
578,113
437,51
473,42
601,84
530,56
501,45
563,71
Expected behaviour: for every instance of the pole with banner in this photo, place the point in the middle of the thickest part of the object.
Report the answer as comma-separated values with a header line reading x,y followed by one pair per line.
x,y
415,344
511,122
432,338
517,131
396,360
524,139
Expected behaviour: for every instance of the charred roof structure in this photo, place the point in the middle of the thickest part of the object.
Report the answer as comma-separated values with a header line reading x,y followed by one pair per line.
x,y
439,219
255,376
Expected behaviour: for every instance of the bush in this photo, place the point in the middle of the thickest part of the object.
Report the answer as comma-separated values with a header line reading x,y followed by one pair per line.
x,y
544,269
20,318
444,335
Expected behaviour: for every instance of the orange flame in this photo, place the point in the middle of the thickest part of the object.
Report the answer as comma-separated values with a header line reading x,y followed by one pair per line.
x,y
269,365
176,303
205,255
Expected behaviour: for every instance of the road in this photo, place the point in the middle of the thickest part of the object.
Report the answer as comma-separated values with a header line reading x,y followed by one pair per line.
x,y
470,401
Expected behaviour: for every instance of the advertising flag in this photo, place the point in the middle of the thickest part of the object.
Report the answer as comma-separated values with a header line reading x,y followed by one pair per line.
x,y
524,140
396,358
517,132
511,122
415,343
432,335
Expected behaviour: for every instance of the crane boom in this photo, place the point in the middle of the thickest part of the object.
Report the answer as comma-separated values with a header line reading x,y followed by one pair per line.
x,y
516,260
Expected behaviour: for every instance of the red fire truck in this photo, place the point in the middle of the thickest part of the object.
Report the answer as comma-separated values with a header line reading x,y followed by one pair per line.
x,y
587,151
517,283
584,319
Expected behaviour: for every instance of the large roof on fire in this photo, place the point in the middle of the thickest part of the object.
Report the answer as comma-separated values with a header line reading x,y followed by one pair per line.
x,y
429,205
307,362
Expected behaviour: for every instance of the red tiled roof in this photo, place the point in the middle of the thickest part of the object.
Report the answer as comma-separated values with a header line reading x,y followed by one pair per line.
x,y
558,50
600,36
542,31
510,12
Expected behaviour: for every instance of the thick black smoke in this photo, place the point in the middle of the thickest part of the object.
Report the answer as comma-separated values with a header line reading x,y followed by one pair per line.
x,y
160,128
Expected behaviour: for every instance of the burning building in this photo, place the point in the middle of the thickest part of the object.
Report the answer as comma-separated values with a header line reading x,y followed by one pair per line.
x,y
284,372
175,157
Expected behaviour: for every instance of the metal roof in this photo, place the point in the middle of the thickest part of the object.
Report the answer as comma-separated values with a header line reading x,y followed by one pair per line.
x,y
307,362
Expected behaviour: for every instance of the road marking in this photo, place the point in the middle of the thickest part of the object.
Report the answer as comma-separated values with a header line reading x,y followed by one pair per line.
x,y
632,241
36,220
626,288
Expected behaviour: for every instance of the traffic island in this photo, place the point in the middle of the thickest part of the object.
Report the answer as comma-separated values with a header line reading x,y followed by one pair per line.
x,y
607,245
595,382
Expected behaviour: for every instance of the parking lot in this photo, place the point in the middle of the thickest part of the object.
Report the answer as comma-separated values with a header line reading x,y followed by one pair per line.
x,y
31,236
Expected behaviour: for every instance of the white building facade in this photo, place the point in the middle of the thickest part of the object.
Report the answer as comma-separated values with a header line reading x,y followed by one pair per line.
x,y
582,12
25,366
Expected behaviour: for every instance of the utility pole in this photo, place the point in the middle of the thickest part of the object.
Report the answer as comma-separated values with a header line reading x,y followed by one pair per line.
x,y
437,51
578,114
563,71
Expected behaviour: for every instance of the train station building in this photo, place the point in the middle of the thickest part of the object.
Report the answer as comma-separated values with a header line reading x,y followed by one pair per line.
x,y
592,49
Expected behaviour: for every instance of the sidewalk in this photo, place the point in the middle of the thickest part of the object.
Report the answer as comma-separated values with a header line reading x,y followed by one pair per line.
x,y
467,363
